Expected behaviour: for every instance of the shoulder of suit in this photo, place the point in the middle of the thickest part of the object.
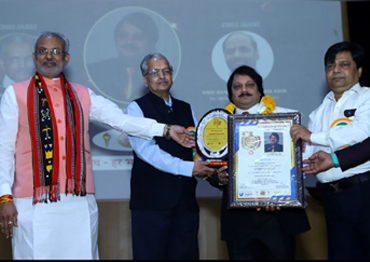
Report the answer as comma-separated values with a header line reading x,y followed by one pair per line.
x,y
179,101
102,65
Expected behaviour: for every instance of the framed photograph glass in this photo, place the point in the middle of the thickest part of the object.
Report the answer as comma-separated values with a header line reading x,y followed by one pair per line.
x,y
264,164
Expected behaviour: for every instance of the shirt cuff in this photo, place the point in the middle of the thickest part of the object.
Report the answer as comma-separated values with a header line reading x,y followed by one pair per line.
x,y
335,160
5,190
186,168
158,129
319,138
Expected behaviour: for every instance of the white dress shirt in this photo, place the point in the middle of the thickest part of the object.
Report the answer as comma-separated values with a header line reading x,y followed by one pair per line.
x,y
330,139
260,107
151,153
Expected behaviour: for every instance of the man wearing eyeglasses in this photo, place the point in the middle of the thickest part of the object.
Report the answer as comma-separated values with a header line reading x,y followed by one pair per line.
x,y
342,120
164,210
44,125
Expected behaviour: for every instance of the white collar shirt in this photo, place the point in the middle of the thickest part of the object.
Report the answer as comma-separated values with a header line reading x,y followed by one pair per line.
x,y
260,107
338,124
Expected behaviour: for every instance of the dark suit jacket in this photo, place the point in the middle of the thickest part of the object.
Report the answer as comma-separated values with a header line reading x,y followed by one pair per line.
x,y
110,77
354,155
235,221
278,148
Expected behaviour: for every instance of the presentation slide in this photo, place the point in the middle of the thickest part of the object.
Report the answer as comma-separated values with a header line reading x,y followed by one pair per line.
x,y
204,40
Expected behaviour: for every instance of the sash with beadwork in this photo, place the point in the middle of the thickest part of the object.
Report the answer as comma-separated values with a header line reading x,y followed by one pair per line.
x,y
45,142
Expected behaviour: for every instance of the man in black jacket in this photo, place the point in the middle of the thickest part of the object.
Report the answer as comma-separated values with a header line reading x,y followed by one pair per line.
x,y
164,210
249,233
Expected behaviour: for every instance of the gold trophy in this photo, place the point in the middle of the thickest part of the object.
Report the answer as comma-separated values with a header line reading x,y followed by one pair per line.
x,y
211,137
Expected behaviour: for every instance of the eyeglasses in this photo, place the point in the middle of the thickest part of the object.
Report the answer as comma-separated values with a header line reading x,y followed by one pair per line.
x,y
53,51
156,72
342,65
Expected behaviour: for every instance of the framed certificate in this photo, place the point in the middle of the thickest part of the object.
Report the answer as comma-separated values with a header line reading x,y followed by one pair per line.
x,y
264,163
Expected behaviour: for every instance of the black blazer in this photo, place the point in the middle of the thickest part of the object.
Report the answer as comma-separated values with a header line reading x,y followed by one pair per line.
x,y
110,77
292,220
354,155
278,148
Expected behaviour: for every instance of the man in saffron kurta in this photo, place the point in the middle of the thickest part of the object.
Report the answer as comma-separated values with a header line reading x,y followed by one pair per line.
x,y
252,234
44,124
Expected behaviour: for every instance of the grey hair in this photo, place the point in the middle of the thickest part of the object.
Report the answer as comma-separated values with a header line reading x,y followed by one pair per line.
x,y
144,62
10,40
53,34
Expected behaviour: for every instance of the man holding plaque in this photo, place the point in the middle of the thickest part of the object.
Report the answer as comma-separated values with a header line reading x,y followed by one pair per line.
x,y
342,120
250,233
164,210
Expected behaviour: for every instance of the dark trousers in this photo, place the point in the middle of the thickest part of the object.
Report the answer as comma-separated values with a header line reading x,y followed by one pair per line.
x,y
348,222
165,234
262,239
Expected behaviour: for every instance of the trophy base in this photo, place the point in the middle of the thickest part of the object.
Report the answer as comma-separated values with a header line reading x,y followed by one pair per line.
x,y
217,163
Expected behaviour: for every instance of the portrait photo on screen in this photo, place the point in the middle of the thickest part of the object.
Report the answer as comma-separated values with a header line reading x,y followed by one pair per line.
x,y
16,62
116,45
242,48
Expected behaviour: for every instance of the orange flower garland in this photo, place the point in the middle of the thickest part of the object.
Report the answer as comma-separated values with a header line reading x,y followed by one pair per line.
x,y
230,108
269,103
267,100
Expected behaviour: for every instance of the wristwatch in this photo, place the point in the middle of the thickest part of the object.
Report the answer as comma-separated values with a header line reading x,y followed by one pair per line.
x,y
167,136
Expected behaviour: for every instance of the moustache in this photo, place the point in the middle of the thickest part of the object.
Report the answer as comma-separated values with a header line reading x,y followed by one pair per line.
x,y
49,60
244,94
337,75
163,80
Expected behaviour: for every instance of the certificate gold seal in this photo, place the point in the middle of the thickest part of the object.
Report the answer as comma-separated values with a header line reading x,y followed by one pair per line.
x,y
211,137
251,142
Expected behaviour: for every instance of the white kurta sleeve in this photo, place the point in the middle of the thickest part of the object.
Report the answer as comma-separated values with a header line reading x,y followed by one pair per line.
x,y
9,113
150,152
105,111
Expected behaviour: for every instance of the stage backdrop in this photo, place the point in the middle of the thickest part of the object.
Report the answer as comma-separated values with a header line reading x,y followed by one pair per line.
x,y
285,41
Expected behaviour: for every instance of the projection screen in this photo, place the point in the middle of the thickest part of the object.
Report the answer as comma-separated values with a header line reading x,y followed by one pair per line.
x,y
288,37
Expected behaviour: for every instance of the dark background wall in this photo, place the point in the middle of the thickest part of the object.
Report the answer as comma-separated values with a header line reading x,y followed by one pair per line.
x,y
359,32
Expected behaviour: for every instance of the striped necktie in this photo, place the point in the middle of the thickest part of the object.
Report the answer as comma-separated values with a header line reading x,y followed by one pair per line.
x,y
128,87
